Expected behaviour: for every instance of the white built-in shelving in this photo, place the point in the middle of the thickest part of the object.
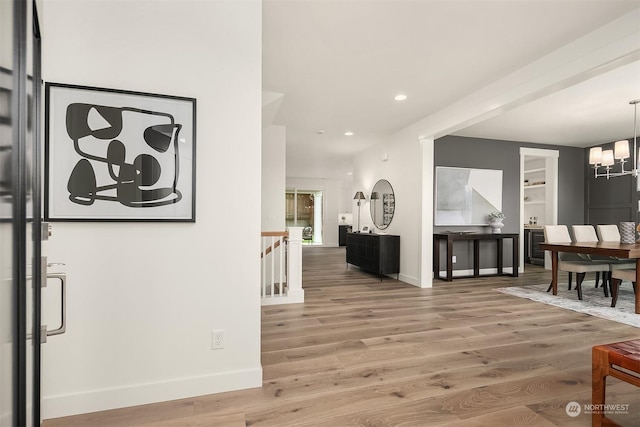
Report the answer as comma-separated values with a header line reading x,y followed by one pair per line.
x,y
539,192
535,197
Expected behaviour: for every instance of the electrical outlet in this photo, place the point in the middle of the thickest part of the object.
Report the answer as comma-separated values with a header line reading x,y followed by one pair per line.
x,y
453,259
217,340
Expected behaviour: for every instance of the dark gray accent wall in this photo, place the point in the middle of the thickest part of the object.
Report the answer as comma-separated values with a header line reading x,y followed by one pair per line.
x,y
610,201
478,153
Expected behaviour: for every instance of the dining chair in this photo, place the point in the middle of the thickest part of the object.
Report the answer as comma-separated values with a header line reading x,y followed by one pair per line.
x,y
586,233
608,232
617,277
577,257
581,265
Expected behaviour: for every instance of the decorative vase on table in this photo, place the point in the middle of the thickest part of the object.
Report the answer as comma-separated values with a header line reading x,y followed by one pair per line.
x,y
496,225
627,232
495,221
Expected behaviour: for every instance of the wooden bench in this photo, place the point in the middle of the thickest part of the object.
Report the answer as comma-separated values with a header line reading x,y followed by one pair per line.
x,y
620,360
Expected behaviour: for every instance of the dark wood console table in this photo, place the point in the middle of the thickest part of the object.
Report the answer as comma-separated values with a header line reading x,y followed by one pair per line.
x,y
449,238
375,253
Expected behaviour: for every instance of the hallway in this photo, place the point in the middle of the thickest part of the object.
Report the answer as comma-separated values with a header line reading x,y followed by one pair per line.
x,y
367,352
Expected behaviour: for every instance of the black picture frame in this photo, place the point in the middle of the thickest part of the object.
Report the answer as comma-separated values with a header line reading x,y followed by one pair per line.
x,y
118,155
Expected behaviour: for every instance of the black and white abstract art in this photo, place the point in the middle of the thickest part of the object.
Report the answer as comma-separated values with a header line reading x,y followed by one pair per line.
x,y
118,155
466,196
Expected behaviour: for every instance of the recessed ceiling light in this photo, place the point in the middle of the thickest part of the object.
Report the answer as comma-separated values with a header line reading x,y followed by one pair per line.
x,y
348,133
349,173
400,97
320,132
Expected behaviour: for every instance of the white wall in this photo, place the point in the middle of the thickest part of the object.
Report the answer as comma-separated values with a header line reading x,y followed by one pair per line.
x,y
274,154
406,160
334,192
346,197
144,298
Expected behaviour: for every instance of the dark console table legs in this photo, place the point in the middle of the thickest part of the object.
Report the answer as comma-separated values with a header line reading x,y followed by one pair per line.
x,y
450,238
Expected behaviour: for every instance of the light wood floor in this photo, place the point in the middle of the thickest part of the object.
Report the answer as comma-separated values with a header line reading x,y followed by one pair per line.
x,y
365,352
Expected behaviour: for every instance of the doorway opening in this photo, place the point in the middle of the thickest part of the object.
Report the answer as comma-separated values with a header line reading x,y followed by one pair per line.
x,y
304,208
538,202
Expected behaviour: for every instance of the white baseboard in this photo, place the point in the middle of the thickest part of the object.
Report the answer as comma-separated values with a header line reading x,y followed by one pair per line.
x,y
407,279
141,394
487,271
292,297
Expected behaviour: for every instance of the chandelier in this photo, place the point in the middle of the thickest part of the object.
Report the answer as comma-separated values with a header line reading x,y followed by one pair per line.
x,y
606,159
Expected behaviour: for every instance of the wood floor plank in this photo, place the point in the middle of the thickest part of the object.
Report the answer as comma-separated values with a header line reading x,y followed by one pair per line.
x,y
138,415
310,352
447,343
368,352
318,364
517,416
236,419
496,397
404,414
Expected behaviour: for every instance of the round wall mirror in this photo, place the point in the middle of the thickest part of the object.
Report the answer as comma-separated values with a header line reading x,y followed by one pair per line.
x,y
383,204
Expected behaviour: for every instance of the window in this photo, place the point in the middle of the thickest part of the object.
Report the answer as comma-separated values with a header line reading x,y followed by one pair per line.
x,y
304,209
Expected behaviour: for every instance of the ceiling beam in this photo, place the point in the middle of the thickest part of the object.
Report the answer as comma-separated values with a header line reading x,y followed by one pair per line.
x,y
605,49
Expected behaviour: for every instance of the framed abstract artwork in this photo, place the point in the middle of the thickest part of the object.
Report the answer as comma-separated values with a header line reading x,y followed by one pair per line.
x,y
466,196
114,155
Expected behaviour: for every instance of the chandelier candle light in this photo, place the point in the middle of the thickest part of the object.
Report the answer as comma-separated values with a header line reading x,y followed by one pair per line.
x,y
606,158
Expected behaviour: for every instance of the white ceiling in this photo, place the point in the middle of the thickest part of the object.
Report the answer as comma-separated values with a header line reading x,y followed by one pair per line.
x,y
593,112
339,63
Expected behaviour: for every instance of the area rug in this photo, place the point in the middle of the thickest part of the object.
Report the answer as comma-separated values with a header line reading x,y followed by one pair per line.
x,y
593,300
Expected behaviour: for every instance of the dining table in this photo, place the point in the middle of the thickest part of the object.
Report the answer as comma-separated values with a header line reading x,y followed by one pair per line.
x,y
612,249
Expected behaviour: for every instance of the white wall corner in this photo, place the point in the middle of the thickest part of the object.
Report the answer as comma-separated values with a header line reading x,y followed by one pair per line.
x,y
426,250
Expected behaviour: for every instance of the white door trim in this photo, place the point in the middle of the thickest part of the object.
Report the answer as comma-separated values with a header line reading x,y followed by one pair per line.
x,y
551,188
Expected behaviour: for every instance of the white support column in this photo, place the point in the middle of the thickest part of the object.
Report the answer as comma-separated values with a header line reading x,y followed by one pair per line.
x,y
318,209
426,246
294,266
